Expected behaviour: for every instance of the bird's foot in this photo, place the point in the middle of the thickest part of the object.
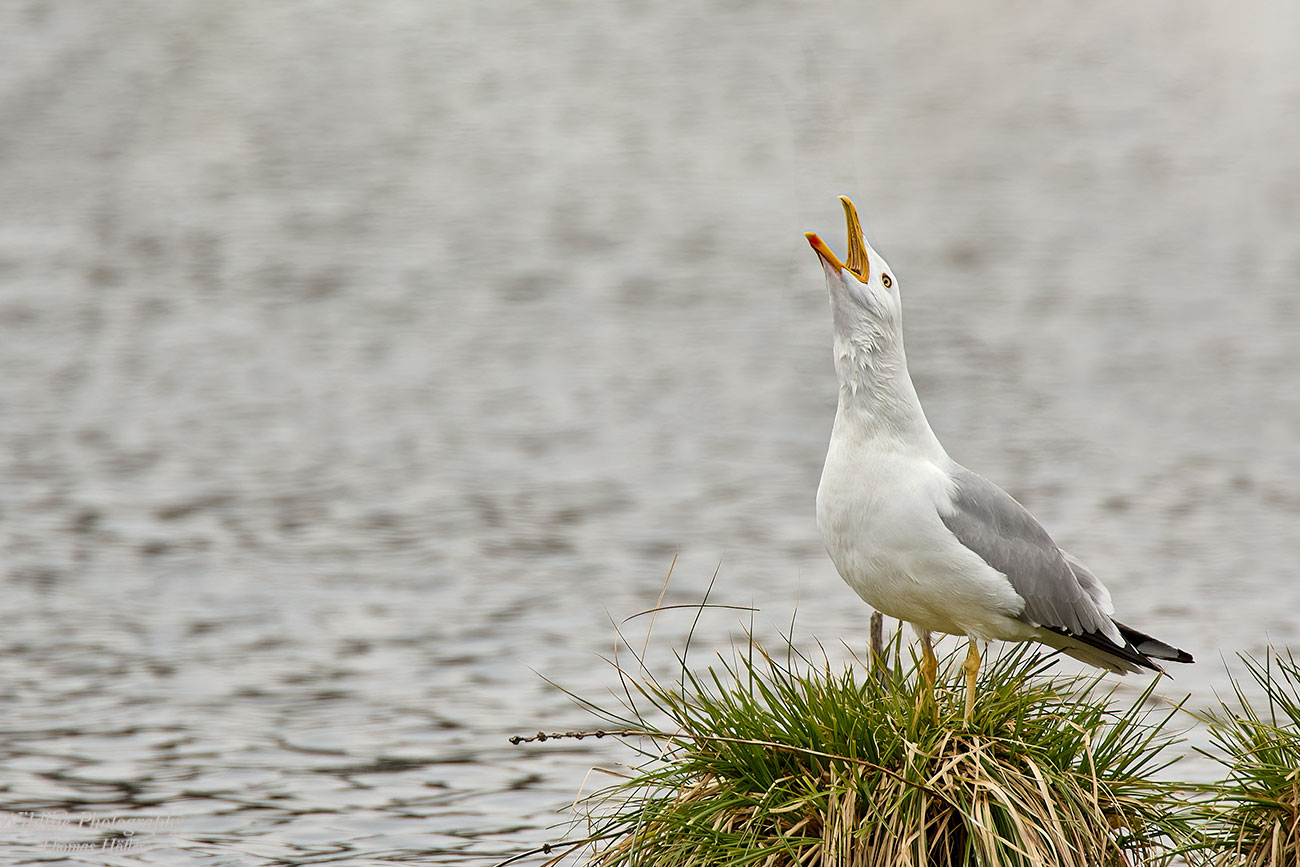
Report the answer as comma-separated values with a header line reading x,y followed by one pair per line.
x,y
929,673
971,667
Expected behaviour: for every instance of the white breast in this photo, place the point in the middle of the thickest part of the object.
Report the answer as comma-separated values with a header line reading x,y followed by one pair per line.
x,y
878,511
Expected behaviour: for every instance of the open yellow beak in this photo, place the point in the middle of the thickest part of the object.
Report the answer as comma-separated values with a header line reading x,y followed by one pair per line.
x,y
858,264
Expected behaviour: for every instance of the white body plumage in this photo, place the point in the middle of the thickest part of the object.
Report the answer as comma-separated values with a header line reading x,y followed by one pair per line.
x,y
878,508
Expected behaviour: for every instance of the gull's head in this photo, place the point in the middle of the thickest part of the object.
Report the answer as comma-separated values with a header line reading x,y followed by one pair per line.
x,y
863,289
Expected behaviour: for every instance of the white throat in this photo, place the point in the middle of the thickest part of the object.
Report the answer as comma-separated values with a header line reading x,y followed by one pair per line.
x,y
877,400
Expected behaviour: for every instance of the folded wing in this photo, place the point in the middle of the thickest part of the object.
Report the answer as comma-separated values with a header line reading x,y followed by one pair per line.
x,y
1060,594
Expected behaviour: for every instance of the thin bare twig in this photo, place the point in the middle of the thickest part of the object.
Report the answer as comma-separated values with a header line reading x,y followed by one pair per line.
x,y
878,664
788,748
659,608
549,848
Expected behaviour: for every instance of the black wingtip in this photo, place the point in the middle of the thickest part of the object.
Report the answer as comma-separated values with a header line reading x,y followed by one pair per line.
x,y
1152,647
1139,649
1178,655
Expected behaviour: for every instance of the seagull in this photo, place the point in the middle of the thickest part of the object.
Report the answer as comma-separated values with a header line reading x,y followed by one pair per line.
x,y
920,537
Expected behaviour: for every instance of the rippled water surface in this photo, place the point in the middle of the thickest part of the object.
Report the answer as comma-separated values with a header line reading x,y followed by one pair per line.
x,y
360,365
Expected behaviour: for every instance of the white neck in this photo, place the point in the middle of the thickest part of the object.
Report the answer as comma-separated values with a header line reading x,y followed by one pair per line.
x,y
877,400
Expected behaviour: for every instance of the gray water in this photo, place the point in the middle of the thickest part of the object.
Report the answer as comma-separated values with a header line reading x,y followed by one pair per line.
x,y
362,364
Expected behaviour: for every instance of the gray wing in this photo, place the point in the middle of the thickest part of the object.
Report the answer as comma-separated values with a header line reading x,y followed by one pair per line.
x,y
1093,587
988,521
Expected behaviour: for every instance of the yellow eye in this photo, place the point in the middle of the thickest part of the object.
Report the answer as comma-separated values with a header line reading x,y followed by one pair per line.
x,y
884,278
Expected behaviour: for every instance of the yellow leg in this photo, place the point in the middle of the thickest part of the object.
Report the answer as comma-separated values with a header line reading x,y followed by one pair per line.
x,y
929,667
972,668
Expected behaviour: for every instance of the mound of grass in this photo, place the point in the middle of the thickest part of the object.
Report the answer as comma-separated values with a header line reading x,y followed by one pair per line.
x,y
1254,817
779,760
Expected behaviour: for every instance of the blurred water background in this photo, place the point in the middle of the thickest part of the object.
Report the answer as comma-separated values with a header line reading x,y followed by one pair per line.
x,y
361,363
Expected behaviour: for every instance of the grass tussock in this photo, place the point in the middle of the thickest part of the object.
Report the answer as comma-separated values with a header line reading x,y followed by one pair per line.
x,y
1254,817
778,760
